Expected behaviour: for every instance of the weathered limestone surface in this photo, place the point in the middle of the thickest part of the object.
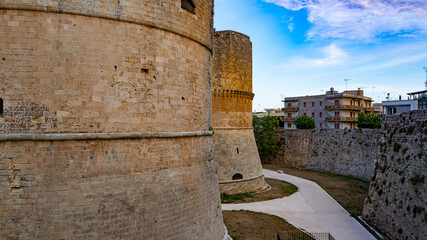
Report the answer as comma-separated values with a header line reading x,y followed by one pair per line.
x,y
397,195
234,141
347,152
106,68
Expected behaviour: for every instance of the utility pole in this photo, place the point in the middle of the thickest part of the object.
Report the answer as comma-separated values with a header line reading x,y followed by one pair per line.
x,y
425,68
373,93
346,81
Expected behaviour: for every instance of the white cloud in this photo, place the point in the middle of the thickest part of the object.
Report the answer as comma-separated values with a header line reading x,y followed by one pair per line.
x,y
361,19
331,55
291,27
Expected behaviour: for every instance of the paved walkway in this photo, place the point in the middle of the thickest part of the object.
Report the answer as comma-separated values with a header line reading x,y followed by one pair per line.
x,y
311,209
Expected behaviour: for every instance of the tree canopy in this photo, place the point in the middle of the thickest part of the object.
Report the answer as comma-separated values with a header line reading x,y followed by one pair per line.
x,y
304,122
368,120
265,136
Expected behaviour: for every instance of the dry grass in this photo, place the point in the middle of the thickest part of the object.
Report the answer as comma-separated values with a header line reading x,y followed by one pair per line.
x,y
255,226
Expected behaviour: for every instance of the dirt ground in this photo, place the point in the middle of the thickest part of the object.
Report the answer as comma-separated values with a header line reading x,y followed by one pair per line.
x,y
278,189
255,226
348,191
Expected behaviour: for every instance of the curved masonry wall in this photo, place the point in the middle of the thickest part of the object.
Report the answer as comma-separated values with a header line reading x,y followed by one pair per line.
x,y
91,86
234,141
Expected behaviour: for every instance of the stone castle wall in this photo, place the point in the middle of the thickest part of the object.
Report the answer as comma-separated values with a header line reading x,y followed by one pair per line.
x,y
398,191
347,152
234,141
104,128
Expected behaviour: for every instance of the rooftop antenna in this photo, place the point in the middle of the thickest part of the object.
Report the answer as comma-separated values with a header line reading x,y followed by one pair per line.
x,y
425,68
373,93
346,81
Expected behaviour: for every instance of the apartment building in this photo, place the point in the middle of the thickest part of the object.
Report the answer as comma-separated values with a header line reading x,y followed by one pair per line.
x,y
329,110
416,100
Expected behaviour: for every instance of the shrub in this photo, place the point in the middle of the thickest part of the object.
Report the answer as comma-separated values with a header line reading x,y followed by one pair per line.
x,y
304,122
368,120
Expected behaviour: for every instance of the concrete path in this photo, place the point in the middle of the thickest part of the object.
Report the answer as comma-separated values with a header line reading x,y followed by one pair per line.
x,y
311,209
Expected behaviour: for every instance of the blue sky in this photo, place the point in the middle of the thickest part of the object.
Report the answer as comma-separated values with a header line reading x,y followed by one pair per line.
x,y
304,47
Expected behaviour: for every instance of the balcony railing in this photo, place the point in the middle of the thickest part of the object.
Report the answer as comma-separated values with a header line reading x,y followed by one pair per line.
x,y
349,107
288,119
292,109
341,119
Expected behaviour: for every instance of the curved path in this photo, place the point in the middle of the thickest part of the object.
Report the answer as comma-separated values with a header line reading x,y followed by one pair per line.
x,y
311,209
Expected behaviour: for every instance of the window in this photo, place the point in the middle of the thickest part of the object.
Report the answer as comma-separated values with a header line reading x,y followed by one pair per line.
x,y
305,114
289,125
320,125
320,114
358,103
422,103
337,125
1,107
351,103
305,104
351,114
237,176
337,102
238,151
312,115
188,5
289,115
337,114
320,103
312,104
289,105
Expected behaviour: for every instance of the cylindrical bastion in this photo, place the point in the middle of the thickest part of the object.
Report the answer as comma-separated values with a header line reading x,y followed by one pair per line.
x,y
236,155
104,115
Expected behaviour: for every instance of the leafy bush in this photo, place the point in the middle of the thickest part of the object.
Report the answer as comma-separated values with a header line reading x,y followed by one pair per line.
x,y
304,122
265,136
368,120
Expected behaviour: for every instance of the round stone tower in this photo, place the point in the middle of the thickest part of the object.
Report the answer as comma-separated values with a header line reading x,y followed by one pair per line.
x,y
104,116
236,155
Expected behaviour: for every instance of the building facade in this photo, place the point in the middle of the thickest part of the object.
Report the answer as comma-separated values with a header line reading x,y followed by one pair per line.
x,y
416,100
87,146
329,110
235,151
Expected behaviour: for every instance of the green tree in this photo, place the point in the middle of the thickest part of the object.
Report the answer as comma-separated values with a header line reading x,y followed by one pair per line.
x,y
304,122
368,120
265,136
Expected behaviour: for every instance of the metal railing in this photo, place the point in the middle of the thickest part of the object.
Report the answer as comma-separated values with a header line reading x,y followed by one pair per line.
x,y
290,109
349,107
342,119
304,236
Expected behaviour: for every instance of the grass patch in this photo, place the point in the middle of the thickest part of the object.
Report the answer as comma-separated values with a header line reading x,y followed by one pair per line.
x,y
278,189
225,198
253,226
349,192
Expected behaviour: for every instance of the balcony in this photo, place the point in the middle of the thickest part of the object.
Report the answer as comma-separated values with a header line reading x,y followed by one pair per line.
x,y
349,107
292,109
288,119
341,119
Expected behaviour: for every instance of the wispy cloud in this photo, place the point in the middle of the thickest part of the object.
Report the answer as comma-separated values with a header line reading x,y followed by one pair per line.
x,y
362,19
331,55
